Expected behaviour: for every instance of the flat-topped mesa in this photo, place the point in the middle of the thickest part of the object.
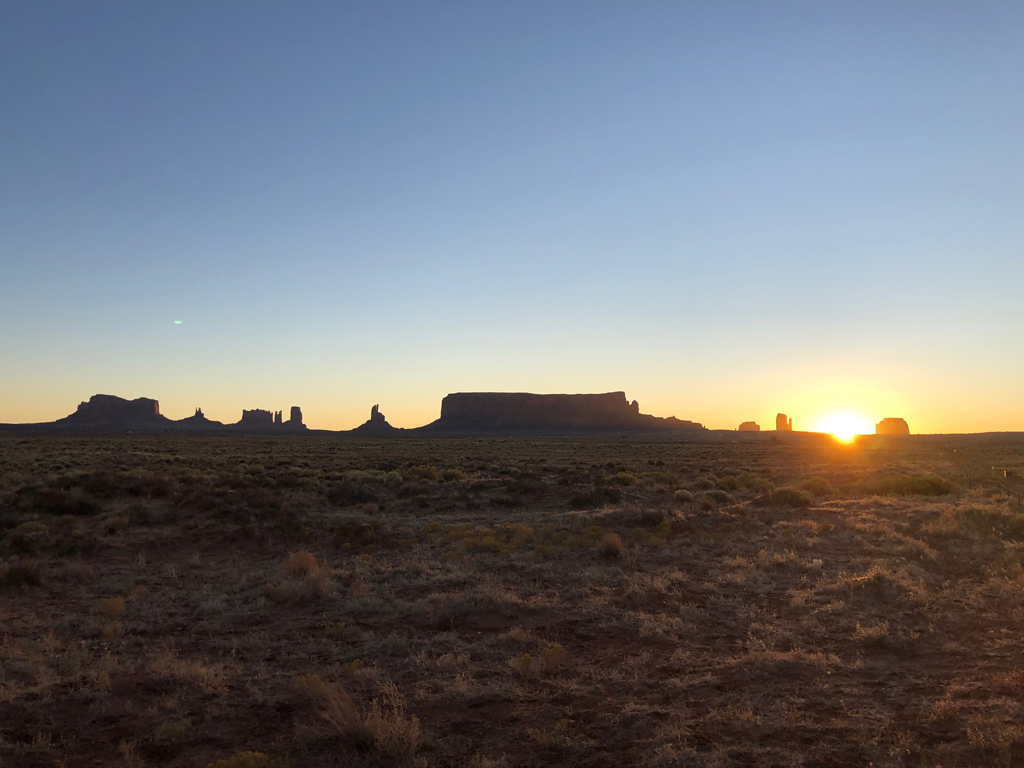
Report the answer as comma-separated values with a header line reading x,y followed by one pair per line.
x,y
749,426
493,411
110,409
892,426
782,424
257,419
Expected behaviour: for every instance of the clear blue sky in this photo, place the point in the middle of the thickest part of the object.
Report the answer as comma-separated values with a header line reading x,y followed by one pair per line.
x,y
725,209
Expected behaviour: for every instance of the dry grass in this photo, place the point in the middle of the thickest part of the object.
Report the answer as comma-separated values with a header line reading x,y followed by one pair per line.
x,y
255,602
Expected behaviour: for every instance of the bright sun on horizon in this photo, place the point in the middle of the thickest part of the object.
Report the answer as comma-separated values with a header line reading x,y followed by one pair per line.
x,y
844,426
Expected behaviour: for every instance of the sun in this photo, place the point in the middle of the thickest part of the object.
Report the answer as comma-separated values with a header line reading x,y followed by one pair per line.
x,y
844,425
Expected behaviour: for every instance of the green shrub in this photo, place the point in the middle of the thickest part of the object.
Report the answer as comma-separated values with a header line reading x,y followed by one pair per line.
x,y
453,475
818,486
507,498
728,483
598,497
790,497
424,472
21,573
969,522
705,483
720,497
912,485
52,501
683,496
27,537
349,492
623,478
659,478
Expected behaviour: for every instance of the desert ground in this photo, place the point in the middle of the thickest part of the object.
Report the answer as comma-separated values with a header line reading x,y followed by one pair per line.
x,y
322,601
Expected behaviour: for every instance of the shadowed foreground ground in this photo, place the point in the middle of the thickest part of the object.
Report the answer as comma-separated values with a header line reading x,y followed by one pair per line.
x,y
327,602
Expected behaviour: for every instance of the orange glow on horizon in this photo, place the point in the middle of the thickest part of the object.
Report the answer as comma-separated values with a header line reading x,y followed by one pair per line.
x,y
844,426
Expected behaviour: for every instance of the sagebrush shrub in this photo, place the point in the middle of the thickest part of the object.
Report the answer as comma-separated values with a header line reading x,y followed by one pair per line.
x,y
912,485
112,607
301,562
818,486
21,573
611,546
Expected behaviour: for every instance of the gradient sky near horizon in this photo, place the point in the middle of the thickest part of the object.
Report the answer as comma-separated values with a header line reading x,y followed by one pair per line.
x,y
725,209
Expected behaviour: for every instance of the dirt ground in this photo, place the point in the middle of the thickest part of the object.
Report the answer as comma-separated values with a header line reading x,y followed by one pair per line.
x,y
323,601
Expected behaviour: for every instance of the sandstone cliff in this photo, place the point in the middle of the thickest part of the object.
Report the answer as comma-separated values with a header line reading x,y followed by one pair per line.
x,y
749,426
497,411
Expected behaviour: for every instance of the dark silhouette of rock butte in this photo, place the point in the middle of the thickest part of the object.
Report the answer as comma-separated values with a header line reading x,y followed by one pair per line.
x,y
199,420
376,424
294,419
257,419
277,418
749,426
113,410
892,426
495,411
782,424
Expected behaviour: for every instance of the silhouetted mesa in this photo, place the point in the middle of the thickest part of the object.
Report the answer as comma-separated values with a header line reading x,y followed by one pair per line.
x,y
257,419
892,426
782,424
110,410
749,426
376,425
494,411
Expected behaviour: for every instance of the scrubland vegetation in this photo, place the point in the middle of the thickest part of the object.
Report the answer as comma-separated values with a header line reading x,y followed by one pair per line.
x,y
306,601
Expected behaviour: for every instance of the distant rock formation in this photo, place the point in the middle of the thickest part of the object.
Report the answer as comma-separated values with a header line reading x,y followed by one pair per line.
x,y
109,410
496,411
782,424
892,426
199,420
749,426
260,419
376,425
257,419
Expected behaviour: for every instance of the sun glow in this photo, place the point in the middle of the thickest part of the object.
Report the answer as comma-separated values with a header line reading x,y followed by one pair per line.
x,y
844,425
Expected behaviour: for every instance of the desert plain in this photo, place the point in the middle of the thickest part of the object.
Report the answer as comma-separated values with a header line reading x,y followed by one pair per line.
x,y
292,601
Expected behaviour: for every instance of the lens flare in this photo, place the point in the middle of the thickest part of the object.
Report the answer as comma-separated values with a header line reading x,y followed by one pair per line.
x,y
844,425
177,322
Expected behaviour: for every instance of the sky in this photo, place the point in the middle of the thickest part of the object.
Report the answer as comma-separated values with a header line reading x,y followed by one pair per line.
x,y
726,210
